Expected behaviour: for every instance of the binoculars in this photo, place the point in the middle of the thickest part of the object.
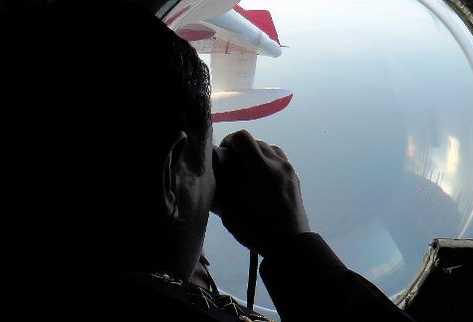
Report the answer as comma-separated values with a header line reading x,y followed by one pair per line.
x,y
220,157
222,160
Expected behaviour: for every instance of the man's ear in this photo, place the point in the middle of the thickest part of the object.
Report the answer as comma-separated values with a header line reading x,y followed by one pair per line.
x,y
169,174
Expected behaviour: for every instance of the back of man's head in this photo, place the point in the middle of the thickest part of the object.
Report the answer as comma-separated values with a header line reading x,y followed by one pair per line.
x,y
99,92
129,65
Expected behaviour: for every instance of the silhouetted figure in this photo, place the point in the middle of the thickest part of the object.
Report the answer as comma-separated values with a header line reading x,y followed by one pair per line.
x,y
112,131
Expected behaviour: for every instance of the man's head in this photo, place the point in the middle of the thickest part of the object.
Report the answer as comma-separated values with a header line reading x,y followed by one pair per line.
x,y
140,98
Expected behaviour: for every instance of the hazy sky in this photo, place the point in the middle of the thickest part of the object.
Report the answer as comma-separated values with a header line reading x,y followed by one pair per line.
x,y
380,131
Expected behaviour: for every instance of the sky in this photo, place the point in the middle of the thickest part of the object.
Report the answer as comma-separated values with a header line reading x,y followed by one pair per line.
x,y
379,130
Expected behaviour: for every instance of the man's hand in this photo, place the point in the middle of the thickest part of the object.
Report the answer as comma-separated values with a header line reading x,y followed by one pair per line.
x,y
258,193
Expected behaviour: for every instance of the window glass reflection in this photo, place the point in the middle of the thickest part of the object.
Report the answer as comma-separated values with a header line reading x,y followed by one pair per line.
x,y
380,131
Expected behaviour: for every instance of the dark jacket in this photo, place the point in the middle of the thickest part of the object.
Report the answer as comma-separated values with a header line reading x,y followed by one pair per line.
x,y
306,281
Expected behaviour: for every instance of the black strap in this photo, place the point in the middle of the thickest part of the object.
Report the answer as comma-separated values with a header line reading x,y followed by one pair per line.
x,y
252,277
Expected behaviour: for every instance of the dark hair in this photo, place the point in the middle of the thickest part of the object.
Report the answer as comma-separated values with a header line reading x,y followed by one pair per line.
x,y
192,106
94,93
104,87
131,59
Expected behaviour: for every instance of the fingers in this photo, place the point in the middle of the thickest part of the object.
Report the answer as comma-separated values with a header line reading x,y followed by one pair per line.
x,y
266,149
272,151
279,152
244,144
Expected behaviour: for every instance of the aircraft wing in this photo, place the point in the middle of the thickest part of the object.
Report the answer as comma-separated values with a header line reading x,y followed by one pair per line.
x,y
234,38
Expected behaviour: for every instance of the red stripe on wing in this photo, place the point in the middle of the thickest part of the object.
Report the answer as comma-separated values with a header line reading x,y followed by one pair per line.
x,y
261,19
195,32
253,113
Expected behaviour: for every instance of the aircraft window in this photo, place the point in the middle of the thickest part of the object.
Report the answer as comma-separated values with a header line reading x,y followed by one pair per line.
x,y
380,130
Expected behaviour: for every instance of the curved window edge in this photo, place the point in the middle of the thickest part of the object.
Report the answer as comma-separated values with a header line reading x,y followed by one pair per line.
x,y
465,10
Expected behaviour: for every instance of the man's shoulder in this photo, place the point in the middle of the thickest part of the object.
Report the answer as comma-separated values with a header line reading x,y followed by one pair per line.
x,y
141,289
142,297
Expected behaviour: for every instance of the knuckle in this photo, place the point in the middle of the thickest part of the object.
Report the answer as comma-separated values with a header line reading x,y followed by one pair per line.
x,y
243,134
241,137
235,139
264,146
287,167
227,139
279,150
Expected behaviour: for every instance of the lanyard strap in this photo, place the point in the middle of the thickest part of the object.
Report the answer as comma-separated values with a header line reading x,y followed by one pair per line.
x,y
252,277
